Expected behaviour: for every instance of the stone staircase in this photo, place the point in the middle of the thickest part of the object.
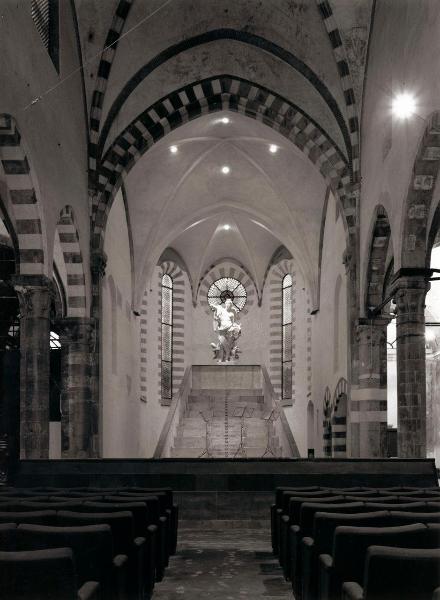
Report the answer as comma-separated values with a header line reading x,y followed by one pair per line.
x,y
222,409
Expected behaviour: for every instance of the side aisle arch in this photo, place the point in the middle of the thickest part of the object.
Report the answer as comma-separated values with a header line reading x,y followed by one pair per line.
x,y
339,420
23,205
76,285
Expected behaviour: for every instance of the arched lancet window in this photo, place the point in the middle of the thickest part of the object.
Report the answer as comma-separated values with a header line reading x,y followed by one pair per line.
x,y
167,338
286,351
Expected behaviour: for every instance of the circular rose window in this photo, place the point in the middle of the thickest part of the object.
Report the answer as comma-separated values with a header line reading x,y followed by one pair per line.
x,y
227,288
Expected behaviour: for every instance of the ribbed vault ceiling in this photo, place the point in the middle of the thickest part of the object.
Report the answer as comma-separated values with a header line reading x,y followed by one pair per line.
x,y
184,200
301,51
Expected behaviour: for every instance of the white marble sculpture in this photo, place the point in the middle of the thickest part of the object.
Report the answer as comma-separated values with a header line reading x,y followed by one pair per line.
x,y
228,331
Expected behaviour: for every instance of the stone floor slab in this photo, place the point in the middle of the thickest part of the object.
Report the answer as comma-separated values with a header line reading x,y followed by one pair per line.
x,y
223,565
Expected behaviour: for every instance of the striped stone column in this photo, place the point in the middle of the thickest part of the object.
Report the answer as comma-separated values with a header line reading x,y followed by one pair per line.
x,y
34,294
368,410
411,366
77,338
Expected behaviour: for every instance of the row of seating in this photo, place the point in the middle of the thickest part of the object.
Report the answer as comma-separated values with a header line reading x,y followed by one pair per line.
x,y
324,537
114,542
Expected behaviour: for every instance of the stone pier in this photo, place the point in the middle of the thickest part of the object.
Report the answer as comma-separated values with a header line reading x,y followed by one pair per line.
x,y
410,292
77,336
369,396
34,295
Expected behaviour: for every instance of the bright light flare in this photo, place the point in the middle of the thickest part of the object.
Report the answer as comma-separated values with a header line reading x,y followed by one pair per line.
x,y
226,170
429,335
273,148
226,227
173,149
404,105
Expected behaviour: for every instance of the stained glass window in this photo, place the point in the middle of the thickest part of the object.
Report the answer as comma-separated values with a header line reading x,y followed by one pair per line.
x,y
227,288
167,338
286,327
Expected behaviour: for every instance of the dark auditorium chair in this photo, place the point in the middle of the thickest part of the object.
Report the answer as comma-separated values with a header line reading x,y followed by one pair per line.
x,y
407,506
8,536
76,497
373,498
92,548
171,508
321,542
124,540
49,505
290,508
404,518
290,546
278,505
350,546
154,518
168,520
38,574
394,573
154,561
37,517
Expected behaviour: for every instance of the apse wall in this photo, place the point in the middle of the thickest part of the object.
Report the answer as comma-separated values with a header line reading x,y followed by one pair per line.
x,y
122,408
329,324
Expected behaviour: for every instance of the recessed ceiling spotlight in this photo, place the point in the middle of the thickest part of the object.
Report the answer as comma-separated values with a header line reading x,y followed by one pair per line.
x,y
273,148
173,149
225,120
404,105
226,227
225,170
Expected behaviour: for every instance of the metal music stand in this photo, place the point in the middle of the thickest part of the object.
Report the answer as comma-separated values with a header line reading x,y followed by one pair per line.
x,y
243,412
207,417
270,418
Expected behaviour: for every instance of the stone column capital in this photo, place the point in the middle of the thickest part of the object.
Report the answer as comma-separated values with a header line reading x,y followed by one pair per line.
x,y
79,330
98,264
35,294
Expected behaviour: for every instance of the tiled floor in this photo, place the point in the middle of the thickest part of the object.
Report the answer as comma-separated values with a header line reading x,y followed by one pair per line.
x,y
234,564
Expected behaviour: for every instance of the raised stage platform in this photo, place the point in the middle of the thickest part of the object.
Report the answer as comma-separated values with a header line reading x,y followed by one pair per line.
x,y
226,489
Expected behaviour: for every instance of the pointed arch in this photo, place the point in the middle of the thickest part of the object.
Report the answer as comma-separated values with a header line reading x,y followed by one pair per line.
x,y
416,209
339,420
377,259
214,94
173,272
76,284
327,423
22,203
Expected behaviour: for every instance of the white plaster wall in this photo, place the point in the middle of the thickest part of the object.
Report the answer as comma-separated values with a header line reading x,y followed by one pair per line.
x,y
297,413
323,366
404,51
122,410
